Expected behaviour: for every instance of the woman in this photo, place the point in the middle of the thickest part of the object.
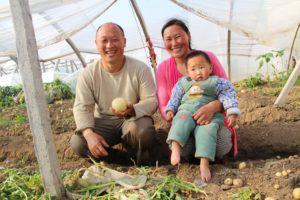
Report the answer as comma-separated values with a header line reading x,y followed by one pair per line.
x,y
177,41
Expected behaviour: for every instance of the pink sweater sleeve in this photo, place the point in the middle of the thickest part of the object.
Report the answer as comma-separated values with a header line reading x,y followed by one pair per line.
x,y
162,88
218,70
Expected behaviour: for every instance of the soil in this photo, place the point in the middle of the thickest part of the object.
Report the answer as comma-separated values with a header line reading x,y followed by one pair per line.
x,y
268,141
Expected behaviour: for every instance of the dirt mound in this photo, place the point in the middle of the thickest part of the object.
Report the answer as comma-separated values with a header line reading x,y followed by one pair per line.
x,y
264,132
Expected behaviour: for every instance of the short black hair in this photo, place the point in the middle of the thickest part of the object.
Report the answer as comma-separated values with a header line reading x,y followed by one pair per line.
x,y
120,27
193,54
178,22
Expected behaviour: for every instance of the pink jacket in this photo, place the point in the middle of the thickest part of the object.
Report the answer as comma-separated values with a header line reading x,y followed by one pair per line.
x,y
167,76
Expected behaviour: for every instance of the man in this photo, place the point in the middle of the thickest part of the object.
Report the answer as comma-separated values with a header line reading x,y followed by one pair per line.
x,y
99,127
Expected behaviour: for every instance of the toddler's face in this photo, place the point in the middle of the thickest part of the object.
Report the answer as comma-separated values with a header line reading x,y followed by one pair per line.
x,y
198,68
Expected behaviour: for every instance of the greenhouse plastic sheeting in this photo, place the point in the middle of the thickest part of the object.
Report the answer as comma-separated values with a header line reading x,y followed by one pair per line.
x,y
257,26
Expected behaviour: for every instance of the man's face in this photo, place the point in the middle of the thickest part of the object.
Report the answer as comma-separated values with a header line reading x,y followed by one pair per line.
x,y
110,43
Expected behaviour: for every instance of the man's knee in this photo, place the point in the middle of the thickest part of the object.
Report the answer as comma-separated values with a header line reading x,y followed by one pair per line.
x,y
140,132
79,145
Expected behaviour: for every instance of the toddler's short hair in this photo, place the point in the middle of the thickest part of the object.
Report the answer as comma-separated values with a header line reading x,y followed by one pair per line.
x,y
195,53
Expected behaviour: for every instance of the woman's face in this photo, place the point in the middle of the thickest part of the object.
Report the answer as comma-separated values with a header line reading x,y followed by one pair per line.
x,y
176,41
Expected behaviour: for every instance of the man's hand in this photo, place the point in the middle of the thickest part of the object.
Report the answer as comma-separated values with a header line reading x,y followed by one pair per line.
x,y
129,112
232,121
96,143
205,113
170,116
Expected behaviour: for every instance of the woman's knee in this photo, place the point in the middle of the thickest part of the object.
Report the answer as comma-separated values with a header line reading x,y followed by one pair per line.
x,y
224,142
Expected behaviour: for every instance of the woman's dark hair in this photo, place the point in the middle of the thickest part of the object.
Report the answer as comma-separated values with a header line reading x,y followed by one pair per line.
x,y
179,23
193,54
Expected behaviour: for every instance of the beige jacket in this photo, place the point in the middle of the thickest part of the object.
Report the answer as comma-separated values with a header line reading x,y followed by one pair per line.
x,y
96,89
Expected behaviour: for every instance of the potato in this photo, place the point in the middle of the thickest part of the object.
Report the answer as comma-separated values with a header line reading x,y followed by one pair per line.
x,y
296,193
228,181
289,171
284,173
119,104
225,187
276,186
237,182
242,165
278,174
291,157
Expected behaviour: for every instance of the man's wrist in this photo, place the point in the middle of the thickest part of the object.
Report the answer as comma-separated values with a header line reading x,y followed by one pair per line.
x,y
86,132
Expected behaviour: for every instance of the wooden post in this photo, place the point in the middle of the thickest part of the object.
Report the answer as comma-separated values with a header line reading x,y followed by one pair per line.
x,y
288,86
35,99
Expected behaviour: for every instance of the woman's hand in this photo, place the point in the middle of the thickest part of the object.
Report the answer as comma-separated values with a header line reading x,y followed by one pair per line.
x,y
205,113
169,116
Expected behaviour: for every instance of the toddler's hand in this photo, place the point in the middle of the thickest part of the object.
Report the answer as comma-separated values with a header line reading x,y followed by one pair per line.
x,y
170,116
232,121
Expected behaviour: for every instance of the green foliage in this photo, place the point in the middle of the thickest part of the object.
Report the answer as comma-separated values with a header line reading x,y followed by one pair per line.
x,y
57,91
243,194
279,80
7,95
298,81
16,184
14,95
265,59
171,187
254,81
20,119
283,76
24,159
4,123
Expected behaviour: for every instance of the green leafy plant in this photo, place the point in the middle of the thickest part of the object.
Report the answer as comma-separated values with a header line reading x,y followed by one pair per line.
x,y
20,119
17,184
7,95
254,81
14,95
243,194
266,59
171,187
57,91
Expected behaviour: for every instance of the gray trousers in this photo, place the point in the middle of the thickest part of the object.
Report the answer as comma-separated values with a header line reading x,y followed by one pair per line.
x,y
138,136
